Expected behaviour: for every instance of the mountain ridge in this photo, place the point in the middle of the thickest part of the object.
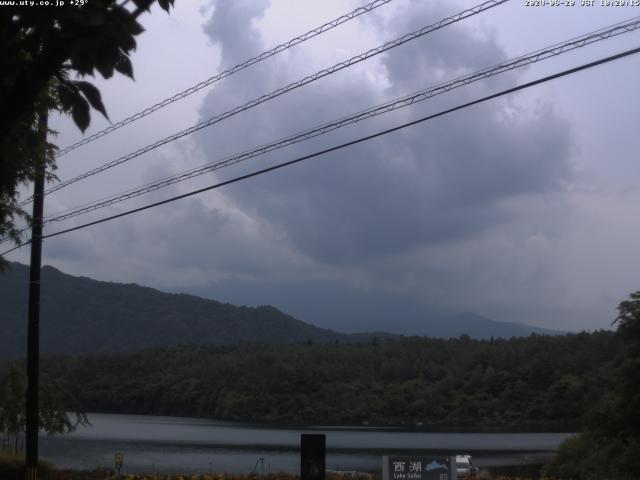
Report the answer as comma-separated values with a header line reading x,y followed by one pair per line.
x,y
481,327
81,315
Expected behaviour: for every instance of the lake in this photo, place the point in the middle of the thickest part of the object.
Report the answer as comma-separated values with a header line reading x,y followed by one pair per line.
x,y
172,445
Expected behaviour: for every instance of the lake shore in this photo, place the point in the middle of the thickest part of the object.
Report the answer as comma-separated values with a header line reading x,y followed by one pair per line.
x,y
176,445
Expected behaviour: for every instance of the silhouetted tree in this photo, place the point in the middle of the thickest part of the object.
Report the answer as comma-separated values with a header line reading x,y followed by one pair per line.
x,y
608,448
54,404
43,52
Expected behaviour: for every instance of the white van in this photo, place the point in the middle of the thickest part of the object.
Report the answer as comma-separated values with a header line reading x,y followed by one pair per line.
x,y
464,467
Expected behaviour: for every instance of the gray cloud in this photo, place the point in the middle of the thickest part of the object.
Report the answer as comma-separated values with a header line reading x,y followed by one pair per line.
x,y
441,55
499,209
436,183
231,25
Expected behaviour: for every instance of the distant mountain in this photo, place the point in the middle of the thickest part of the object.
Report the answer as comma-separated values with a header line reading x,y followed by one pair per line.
x,y
81,315
477,326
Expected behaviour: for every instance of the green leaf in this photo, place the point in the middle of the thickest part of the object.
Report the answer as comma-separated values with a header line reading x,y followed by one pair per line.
x,y
122,38
92,94
143,4
165,4
82,61
130,25
106,58
66,95
121,20
80,113
123,65
95,18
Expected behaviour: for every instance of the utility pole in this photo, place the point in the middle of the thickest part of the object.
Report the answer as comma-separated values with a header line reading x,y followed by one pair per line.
x,y
33,334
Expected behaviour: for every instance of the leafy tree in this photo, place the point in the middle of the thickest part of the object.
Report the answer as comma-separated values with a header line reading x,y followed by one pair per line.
x,y
44,51
609,447
53,417
12,405
629,330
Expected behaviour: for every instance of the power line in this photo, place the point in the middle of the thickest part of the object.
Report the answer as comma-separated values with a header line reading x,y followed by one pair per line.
x,y
292,86
219,76
352,142
20,245
527,59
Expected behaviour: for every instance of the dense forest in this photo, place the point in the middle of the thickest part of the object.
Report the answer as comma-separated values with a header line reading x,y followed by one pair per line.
x,y
535,382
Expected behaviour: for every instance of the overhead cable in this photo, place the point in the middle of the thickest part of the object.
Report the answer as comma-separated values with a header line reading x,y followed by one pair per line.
x,y
539,81
219,76
20,245
527,59
292,86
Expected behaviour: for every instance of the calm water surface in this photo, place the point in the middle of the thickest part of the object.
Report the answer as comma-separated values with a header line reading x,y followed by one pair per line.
x,y
171,444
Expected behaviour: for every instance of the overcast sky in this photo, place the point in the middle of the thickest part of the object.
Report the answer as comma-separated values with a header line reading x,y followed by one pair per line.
x,y
521,209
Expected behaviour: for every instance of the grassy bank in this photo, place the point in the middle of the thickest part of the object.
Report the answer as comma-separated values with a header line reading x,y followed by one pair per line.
x,y
12,468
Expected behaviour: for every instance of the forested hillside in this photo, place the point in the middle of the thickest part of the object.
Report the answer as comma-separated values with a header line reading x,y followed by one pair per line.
x,y
81,315
537,382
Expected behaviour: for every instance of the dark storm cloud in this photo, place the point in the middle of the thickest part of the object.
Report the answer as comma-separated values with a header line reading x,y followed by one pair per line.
x,y
477,211
437,183
442,55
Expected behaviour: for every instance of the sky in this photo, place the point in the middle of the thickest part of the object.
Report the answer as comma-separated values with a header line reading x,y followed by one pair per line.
x,y
522,209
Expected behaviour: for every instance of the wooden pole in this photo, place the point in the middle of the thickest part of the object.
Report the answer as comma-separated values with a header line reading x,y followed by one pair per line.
x,y
33,334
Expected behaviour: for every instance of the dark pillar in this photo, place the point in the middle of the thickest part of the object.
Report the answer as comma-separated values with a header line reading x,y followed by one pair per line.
x,y
312,456
33,332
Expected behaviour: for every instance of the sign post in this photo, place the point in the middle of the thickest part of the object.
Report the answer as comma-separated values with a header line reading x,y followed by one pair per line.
x,y
119,461
418,468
